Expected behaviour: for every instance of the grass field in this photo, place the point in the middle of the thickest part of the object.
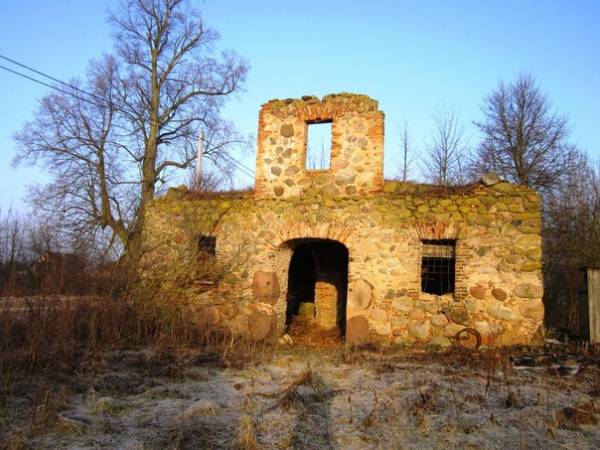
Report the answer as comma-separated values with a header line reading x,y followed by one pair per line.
x,y
303,397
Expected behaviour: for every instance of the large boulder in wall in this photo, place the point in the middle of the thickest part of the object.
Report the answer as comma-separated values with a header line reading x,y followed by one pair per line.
x,y
262,324
360,294
357,330
265,287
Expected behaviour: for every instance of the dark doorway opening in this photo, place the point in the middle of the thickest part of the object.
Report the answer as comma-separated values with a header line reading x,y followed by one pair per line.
x,y
318,283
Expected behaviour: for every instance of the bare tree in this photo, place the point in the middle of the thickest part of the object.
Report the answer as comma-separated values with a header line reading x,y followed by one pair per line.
x,y
12,249
524,141
446,150
407,153
110,152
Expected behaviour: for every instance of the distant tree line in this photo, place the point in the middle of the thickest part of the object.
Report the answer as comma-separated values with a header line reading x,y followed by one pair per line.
x,y
35,260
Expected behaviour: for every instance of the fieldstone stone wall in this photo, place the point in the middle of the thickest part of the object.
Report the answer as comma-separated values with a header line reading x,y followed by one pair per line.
x,y
498,259
495,226
356,165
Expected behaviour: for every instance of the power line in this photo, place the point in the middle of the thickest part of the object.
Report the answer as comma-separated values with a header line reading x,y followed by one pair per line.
x,y
240,164
237,164
243,169
50,77
35,80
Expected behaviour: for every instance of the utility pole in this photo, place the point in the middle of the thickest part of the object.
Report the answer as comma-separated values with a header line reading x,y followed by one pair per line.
x,y
198,171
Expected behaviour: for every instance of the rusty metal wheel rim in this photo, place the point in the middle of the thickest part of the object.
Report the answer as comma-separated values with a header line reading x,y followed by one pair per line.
x,y
464,339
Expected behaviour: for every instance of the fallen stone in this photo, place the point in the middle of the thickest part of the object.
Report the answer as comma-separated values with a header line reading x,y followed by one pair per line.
x,y
490,179
286,339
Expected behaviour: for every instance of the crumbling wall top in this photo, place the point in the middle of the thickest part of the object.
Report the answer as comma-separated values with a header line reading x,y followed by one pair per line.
x,y
344,101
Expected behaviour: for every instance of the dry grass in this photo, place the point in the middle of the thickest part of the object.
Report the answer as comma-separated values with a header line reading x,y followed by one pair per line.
x,y
105,349
246,438
307,398
87,373
56,339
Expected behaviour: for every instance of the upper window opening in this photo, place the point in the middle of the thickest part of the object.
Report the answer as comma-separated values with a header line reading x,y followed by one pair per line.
x,y
207,245
318,146
438,260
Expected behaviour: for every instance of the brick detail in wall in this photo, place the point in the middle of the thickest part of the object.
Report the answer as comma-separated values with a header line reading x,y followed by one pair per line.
x,y
356,165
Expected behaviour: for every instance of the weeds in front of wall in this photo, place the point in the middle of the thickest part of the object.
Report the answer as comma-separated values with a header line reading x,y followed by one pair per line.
x,y
58,338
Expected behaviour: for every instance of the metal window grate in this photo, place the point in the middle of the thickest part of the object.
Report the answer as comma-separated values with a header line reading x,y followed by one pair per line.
x,y
438,266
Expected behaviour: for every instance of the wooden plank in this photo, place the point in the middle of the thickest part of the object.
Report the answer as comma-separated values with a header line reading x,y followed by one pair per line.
x,y
593,276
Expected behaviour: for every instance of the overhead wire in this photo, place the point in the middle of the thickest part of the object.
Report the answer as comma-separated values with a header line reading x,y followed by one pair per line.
x,y
50,77
35,80
236,163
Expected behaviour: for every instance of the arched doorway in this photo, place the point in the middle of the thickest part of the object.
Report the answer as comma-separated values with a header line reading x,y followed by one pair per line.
x,y
318,283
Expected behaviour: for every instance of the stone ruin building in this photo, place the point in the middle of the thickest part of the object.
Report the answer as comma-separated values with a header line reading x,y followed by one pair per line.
x,y
379,261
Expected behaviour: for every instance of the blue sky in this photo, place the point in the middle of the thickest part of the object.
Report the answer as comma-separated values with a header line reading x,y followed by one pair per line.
x,y
413,57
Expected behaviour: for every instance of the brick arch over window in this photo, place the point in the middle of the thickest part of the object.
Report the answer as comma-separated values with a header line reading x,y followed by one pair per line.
x,y
356,164
426,234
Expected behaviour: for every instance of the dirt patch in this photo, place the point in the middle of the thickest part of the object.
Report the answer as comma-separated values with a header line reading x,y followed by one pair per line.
x,y
306,331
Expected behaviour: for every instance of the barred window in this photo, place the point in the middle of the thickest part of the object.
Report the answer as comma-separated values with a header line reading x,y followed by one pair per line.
x,y
438,262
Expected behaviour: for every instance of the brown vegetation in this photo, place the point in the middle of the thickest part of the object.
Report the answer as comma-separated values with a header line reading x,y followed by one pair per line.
x,y
105,371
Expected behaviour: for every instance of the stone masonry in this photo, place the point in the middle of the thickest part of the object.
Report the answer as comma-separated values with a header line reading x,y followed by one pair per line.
x,y
352,243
